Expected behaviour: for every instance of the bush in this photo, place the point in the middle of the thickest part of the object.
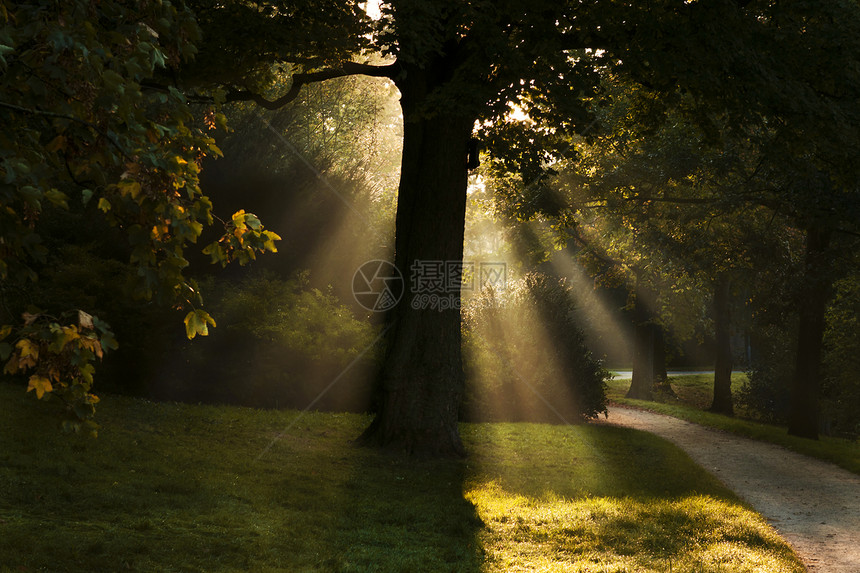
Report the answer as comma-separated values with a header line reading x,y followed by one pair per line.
x,y
278,343
766,394
840,392
526,358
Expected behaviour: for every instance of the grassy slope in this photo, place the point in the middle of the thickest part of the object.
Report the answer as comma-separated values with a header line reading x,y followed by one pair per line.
x,y
695,393
169,487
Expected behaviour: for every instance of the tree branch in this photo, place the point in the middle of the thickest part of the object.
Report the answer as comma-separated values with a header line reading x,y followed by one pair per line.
x,y
89,124
683,200
347,69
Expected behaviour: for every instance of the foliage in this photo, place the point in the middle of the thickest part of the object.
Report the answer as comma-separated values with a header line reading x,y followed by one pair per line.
x,y
347,127
767,393
841,386
278,344
59,356
81,127
179,486
526,355
324,167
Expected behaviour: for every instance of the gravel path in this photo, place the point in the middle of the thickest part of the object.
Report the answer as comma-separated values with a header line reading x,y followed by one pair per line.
x,y
813,504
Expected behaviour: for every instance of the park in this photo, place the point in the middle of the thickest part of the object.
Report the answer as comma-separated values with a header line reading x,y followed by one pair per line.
x,y
429,286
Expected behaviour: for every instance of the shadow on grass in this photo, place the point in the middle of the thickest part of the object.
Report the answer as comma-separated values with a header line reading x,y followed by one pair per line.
x,y
172,487
402,515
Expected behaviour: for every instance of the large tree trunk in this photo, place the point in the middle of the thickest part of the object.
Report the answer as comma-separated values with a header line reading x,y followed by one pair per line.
x,y
722,403
803,411
421,380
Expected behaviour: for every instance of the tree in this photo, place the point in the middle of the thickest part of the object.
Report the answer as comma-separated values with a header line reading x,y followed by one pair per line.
x,y
80,133
447,72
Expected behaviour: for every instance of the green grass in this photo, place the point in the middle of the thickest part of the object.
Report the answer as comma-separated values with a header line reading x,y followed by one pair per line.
x,y
694,395
171,487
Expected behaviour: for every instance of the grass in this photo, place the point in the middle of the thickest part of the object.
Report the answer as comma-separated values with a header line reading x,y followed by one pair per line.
x,y
694,395
173,487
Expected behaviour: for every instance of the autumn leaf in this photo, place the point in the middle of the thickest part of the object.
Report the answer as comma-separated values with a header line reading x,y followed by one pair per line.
x,y
85,320
197,322
28,353
40,384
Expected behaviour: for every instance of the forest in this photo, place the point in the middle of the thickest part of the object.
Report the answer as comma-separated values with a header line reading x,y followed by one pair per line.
x,y
435,215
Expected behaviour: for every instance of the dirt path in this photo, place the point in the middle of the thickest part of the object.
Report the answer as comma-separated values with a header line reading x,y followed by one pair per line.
x,y
813,504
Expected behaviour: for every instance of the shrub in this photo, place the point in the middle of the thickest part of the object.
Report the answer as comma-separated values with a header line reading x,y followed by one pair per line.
x,y
278,343
766,394
526,358
840,392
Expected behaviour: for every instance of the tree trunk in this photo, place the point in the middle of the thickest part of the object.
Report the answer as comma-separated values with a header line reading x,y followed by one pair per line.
x,y
803,410
642,382
661,376
722,403
421,380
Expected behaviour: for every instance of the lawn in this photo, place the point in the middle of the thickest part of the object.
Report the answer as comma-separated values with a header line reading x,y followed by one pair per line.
x,y
175,487
694,395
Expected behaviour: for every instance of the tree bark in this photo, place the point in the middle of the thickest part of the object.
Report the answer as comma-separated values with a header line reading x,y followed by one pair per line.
x,y
803,410
642,381
661,376
421,380
722,402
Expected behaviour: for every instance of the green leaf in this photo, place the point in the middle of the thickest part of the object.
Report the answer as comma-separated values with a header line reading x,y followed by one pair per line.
x,y
31,195
176,93
197,322
57,198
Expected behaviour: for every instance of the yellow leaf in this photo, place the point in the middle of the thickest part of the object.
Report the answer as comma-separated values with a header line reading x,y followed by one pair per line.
x,y
11,366
197,322
5,330
93,345
104,205
27,348
40,385
129,187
